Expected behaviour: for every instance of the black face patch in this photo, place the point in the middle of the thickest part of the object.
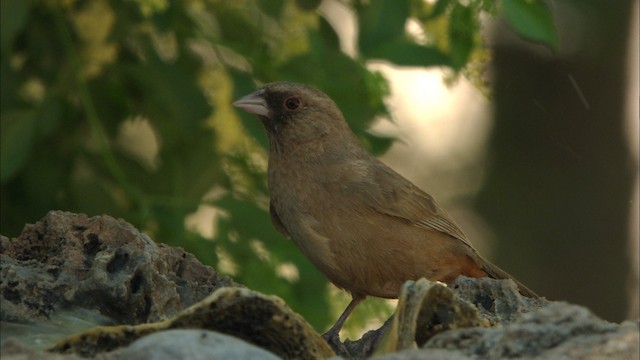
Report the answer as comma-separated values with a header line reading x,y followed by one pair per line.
x,y
282,106
276,101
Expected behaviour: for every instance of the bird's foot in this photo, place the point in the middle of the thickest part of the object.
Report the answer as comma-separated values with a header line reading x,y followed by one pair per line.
x,y
369,342
333,339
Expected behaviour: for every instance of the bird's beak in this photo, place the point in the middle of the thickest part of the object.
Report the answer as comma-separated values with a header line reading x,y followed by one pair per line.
x,y
253,103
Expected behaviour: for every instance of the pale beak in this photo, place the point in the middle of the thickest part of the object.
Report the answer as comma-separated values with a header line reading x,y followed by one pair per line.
x,y
253,103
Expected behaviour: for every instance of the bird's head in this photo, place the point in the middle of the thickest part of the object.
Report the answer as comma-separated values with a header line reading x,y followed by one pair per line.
x,y
294,113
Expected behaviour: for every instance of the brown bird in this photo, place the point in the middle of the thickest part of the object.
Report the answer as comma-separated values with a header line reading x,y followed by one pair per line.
x,y
364,226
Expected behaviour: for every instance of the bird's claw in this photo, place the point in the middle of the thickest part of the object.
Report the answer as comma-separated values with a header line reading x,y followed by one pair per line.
x,y
333,339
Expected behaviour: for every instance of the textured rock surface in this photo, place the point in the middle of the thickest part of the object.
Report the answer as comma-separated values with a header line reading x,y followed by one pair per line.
x,y
427,308
262,320
169,345
69,272
106,265
14,349
192,345
556,331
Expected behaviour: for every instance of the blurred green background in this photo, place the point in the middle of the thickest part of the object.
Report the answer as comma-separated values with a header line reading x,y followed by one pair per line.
x,y
123,108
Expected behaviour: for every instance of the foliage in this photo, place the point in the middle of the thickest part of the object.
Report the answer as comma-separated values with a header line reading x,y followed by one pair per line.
x,y
532,20
122,107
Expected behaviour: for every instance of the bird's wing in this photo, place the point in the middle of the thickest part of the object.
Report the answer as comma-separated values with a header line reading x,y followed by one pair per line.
x,y
396,196
387,192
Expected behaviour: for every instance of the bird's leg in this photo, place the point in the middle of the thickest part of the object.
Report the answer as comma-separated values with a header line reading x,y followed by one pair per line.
x,y
333,334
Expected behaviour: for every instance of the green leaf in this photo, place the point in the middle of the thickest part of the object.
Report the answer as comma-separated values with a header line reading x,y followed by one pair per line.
x,y
462,27
406,53
272,8
308,4
532,20
327,34
244,85
377,144
49,113
248,40
199,246
13,16
172,99
18,131
438,9
380,22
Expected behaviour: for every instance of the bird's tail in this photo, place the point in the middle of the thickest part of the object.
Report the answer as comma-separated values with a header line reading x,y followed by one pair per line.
x,y
496,273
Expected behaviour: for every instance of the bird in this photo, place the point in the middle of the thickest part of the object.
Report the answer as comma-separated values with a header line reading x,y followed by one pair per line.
x,y
364,226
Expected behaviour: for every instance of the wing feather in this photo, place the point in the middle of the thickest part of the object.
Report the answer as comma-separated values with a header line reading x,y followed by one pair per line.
x,y
396,196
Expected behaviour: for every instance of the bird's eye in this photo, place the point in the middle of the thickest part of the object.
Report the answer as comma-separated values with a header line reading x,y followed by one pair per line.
x,y
292,103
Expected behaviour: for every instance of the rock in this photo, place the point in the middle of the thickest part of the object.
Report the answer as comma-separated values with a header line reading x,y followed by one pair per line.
x,y
262,320
498,301
69,272
419,354
169,345
555,331
102,264
489,319
192,345
427,308
14,349
44,334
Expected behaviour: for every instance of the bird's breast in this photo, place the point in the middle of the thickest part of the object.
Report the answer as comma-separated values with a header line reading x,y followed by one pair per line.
x,y
308,202
335,232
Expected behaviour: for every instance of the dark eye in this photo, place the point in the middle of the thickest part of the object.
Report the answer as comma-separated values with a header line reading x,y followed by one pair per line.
x,y
292,103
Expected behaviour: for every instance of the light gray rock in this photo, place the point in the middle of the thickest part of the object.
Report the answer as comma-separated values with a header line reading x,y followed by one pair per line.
x,y
192,345
531,335
556,331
